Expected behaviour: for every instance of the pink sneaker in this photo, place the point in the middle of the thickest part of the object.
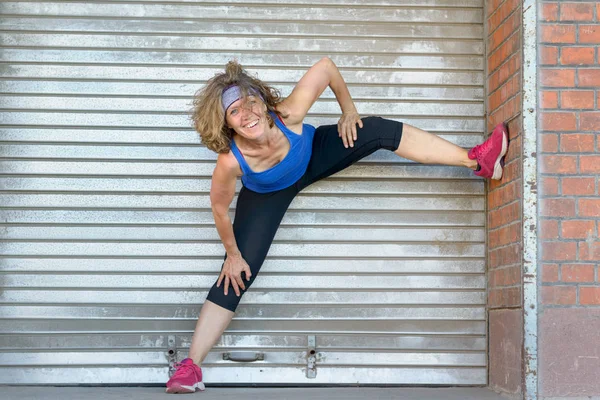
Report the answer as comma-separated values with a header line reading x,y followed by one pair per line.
x,y
186,379
490,154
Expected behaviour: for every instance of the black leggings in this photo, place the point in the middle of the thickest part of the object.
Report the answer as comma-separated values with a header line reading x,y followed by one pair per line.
x,y
258,215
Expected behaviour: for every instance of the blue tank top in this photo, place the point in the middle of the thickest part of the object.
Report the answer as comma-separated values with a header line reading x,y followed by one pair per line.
x,y
287,171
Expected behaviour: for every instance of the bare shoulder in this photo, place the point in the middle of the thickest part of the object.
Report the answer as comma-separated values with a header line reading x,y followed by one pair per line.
x,y
293,122
228,165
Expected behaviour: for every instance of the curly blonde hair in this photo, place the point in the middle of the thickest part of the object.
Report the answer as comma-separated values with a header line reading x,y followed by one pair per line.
x,y
207,114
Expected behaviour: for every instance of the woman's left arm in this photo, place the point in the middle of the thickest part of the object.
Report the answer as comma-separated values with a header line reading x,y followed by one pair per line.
x,y
314,82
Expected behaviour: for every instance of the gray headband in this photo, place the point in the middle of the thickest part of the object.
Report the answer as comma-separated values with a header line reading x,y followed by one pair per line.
x,y
232,94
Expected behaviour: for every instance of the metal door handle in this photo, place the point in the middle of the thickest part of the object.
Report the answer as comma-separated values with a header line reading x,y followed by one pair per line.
x,y
244,356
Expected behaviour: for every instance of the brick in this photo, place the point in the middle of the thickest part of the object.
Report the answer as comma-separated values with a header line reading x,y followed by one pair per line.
x,y
552,164
493,6
576,143
559,251
513,297
577,55
578,186
589,207
504,31
577,272
507,111
504,51
511,254
505,297
515,127
576,11
491,276
548,229
589,121
589,34
493,297
558,121
549,186
575,229
504,195
505,215
514,153
589,295
512,275
559,295
504,235
548,99
589,78
564,77
548,55
509,68
504,92
549,142
589,164
501,13
549,12
577,99
549,273
558,207
589,251
552,33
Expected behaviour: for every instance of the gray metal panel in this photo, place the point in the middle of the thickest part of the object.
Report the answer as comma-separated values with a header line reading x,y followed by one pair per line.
x,y
108,243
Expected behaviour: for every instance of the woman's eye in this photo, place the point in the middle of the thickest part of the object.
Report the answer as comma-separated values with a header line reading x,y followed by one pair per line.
x,y
233,112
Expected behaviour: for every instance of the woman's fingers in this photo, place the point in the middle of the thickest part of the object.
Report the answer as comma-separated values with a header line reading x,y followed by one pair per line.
x,y
344,138
350,137
236,289
240,282
226,288
347,129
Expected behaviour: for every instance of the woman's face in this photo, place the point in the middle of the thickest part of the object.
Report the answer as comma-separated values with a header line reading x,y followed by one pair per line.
x,y
247,117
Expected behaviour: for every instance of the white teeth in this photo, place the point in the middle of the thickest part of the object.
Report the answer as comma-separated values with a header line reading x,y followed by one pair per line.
x,y
252,125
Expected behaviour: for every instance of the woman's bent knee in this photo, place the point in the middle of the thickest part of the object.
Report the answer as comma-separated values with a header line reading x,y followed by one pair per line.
x,y
229,301
388,131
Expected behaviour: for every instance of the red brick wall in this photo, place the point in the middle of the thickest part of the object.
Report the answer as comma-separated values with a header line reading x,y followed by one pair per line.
x,y
569,122
504,89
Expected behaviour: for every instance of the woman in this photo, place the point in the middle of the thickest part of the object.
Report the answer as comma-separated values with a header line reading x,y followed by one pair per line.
x,y
263,139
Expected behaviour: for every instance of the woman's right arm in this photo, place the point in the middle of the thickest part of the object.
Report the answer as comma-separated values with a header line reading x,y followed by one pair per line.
x,y
222,190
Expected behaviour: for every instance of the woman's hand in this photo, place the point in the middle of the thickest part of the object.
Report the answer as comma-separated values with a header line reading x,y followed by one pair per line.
x,y
232,272
347,127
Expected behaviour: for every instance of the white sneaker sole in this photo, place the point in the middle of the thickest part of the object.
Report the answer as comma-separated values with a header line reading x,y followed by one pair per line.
x,y
498,164
185,389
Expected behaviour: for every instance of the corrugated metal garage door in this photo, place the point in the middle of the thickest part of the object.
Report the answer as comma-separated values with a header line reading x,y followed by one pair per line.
x,y
108,242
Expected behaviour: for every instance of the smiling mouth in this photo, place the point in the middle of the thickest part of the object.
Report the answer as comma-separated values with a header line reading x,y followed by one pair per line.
x,y
251,124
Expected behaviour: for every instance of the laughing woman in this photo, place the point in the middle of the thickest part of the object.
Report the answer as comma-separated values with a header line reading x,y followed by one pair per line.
x,y
263,139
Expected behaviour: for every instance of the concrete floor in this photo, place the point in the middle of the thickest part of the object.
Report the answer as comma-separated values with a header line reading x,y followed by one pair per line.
x,y
154,393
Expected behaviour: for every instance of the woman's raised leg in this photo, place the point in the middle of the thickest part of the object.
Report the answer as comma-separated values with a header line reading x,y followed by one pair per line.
x,y
426,148
486,159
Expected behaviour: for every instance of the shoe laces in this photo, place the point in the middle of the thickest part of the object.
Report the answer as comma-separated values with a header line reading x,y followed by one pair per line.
x,y
183,370
484,148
